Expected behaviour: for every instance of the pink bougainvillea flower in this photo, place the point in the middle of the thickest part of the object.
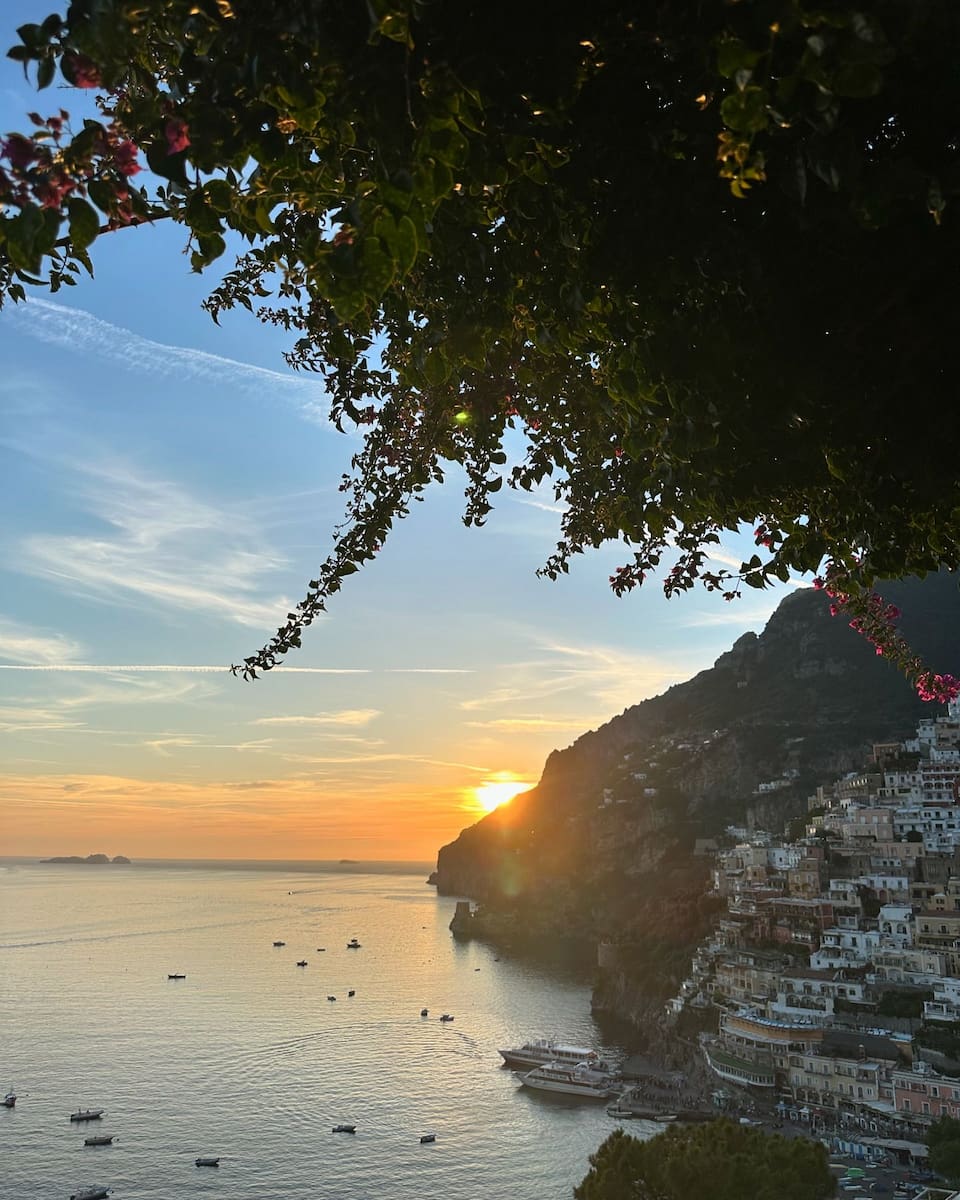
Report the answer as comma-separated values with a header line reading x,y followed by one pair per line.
x,y
177,133
20,150
125,159
81,71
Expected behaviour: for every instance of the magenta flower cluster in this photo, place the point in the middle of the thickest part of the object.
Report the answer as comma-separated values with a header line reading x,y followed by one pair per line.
x,y
872,617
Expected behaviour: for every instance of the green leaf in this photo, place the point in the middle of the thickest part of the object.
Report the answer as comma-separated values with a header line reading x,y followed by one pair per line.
x,y
734,55
746,111
169,166
220,195
45,72
84,223
858,80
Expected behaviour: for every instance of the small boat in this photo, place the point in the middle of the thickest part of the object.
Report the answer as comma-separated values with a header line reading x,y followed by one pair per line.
x,y
353,944
9,1100
331,997
176,976
424,1012
91,1193
352,992
302,962
321,949
446,1017
104,1139
344,1129
87,1114
207,1161
427,1137
279,943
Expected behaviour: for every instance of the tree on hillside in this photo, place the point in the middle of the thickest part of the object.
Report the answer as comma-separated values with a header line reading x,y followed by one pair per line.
x,y
699,256
737,1161
943,1139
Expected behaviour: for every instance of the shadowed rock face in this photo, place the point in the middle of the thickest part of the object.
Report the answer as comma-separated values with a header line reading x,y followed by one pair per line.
x,y
603,844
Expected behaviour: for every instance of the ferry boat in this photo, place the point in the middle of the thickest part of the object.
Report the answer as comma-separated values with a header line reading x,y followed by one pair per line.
x,y
542,1050
578,1080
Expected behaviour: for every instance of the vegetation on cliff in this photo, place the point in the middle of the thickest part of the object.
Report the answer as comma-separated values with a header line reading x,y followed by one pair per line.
x,y
692,267
720,1159
603,845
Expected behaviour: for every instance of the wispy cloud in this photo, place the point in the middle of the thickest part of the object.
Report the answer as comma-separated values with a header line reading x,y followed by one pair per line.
x,y
607,677
26,645
76,330
26,719
176,668
160,544
213,668
349,716
532,724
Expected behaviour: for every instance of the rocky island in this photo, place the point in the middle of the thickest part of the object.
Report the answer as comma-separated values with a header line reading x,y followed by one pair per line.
x,y
96,860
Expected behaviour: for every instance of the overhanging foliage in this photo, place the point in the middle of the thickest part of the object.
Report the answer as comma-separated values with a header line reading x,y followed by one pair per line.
x,y
701,255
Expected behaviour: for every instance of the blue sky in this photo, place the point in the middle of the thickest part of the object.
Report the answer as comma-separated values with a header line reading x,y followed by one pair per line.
x,y
168,487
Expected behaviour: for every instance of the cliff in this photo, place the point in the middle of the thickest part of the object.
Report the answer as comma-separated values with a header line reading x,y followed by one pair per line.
x,y
603,846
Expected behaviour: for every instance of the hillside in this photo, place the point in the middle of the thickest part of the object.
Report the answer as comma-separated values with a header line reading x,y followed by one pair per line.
x,y
602,846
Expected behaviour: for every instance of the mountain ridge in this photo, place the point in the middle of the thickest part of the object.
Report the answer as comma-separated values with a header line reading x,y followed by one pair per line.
x,y
602,847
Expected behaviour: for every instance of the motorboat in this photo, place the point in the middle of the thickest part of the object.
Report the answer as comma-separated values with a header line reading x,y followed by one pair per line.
x,y
578,1080
352,992
91,1193
427,1137
424,1012
279,943
353,944
331,997
321,949
176,976
544,1050
87,1114
103,1139
302,962
344,1129
446,1017
206,1160
9,1100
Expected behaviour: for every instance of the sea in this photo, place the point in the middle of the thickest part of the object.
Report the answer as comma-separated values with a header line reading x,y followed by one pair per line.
x,y
250,1057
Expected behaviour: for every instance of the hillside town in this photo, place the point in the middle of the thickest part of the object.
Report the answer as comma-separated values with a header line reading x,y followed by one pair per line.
x,y
834,970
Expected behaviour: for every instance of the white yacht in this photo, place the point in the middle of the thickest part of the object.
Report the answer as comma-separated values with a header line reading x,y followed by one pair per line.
x,y
543,1050
577,1080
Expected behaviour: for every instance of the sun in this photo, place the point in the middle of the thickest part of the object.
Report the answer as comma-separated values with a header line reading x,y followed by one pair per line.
x,y
498,790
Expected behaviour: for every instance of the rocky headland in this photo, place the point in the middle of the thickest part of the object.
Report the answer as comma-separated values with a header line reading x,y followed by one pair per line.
x,y
603,852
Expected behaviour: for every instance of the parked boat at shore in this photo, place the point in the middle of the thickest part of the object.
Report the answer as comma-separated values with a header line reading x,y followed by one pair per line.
x,y
578,1080
543,1050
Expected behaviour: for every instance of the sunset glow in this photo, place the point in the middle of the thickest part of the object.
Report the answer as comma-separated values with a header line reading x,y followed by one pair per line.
x,y
500,790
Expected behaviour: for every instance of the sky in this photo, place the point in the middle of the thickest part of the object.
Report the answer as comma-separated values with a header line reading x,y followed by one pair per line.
x,y
168,487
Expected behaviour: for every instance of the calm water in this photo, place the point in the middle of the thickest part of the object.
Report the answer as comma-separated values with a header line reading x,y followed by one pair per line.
x,y
248,1059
